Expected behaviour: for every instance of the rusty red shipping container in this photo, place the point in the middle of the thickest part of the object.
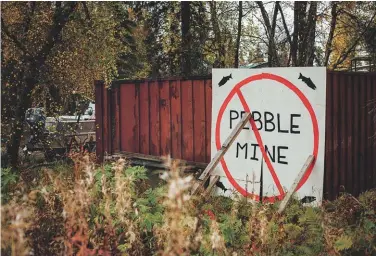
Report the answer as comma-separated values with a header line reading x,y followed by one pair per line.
x,y
173,116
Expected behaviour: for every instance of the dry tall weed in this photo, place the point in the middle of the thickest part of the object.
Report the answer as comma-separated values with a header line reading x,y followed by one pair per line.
x,y
124,191
16,219
76,204
216,239
178,233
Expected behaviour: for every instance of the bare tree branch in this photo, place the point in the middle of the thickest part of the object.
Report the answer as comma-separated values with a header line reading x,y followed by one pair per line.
x,y
86,9
274,21
331,33
236,64
61,18
257,37
294,45
310,35
272,52
29,17
354,44
285,26
13,37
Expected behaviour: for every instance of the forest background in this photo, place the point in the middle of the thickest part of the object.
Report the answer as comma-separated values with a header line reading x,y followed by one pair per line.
x,y
52,49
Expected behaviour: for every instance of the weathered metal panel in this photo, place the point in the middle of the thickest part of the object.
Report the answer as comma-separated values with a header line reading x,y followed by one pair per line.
x,y
106,122
173,115
363,138
199,122
127,119
155,128
208,117
176,120
371,152
165,108
115,112
136,114
336,135
144,118
373,132
329,147
356,134
99,119
348,161
187,120
343,87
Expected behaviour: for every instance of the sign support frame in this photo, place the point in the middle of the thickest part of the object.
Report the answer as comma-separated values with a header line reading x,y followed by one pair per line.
x,y
293,187
225,146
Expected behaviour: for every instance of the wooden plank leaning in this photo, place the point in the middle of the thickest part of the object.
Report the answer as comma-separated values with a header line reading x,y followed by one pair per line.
x,y
225,146
213,181
287,197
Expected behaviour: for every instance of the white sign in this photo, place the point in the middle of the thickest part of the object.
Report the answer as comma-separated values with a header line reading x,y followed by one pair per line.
x,y
288,109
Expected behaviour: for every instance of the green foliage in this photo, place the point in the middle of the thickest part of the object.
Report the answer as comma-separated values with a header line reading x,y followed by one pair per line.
x,y
294,210
141,225
150,208
293,231
343,243
234,233
136,172
9,179
313,233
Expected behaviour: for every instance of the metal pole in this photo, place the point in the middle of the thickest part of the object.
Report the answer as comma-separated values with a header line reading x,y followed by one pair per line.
x,y
261,179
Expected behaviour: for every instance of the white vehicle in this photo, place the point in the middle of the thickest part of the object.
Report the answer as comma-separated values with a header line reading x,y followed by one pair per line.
x,y
62,134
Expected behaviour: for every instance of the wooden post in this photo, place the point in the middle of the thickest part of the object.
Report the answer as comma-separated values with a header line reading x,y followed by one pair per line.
x,y
225,146
287,197
213,180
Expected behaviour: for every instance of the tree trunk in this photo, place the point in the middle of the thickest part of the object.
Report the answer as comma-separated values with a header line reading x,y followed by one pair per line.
x,y
15,140
302,33
219,47
186,37
236,64
173,67
272,49
311,35
344,55
294,46
32,66
333,23
285,25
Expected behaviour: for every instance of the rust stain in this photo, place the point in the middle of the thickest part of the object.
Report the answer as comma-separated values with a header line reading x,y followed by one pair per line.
x,y
162,102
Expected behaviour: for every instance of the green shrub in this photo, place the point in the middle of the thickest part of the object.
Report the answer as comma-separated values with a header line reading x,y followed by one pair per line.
x,y
116,211
9,179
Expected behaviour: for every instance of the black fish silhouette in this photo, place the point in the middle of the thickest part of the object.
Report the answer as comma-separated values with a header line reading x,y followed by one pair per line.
x,y
221,186
218,184
224,80
308,199
307,81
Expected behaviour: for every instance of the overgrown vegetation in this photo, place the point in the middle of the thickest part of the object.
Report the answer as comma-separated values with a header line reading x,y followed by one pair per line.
x,y
112,210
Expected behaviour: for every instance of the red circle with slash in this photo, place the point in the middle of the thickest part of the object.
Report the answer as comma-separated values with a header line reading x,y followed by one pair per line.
x,y
308,106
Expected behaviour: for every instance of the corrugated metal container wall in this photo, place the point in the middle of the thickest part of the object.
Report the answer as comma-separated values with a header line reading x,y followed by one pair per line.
x,y
174,116
350,157
156,118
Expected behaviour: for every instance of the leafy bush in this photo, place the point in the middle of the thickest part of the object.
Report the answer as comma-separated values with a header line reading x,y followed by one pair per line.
x,y
9,179
111,210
